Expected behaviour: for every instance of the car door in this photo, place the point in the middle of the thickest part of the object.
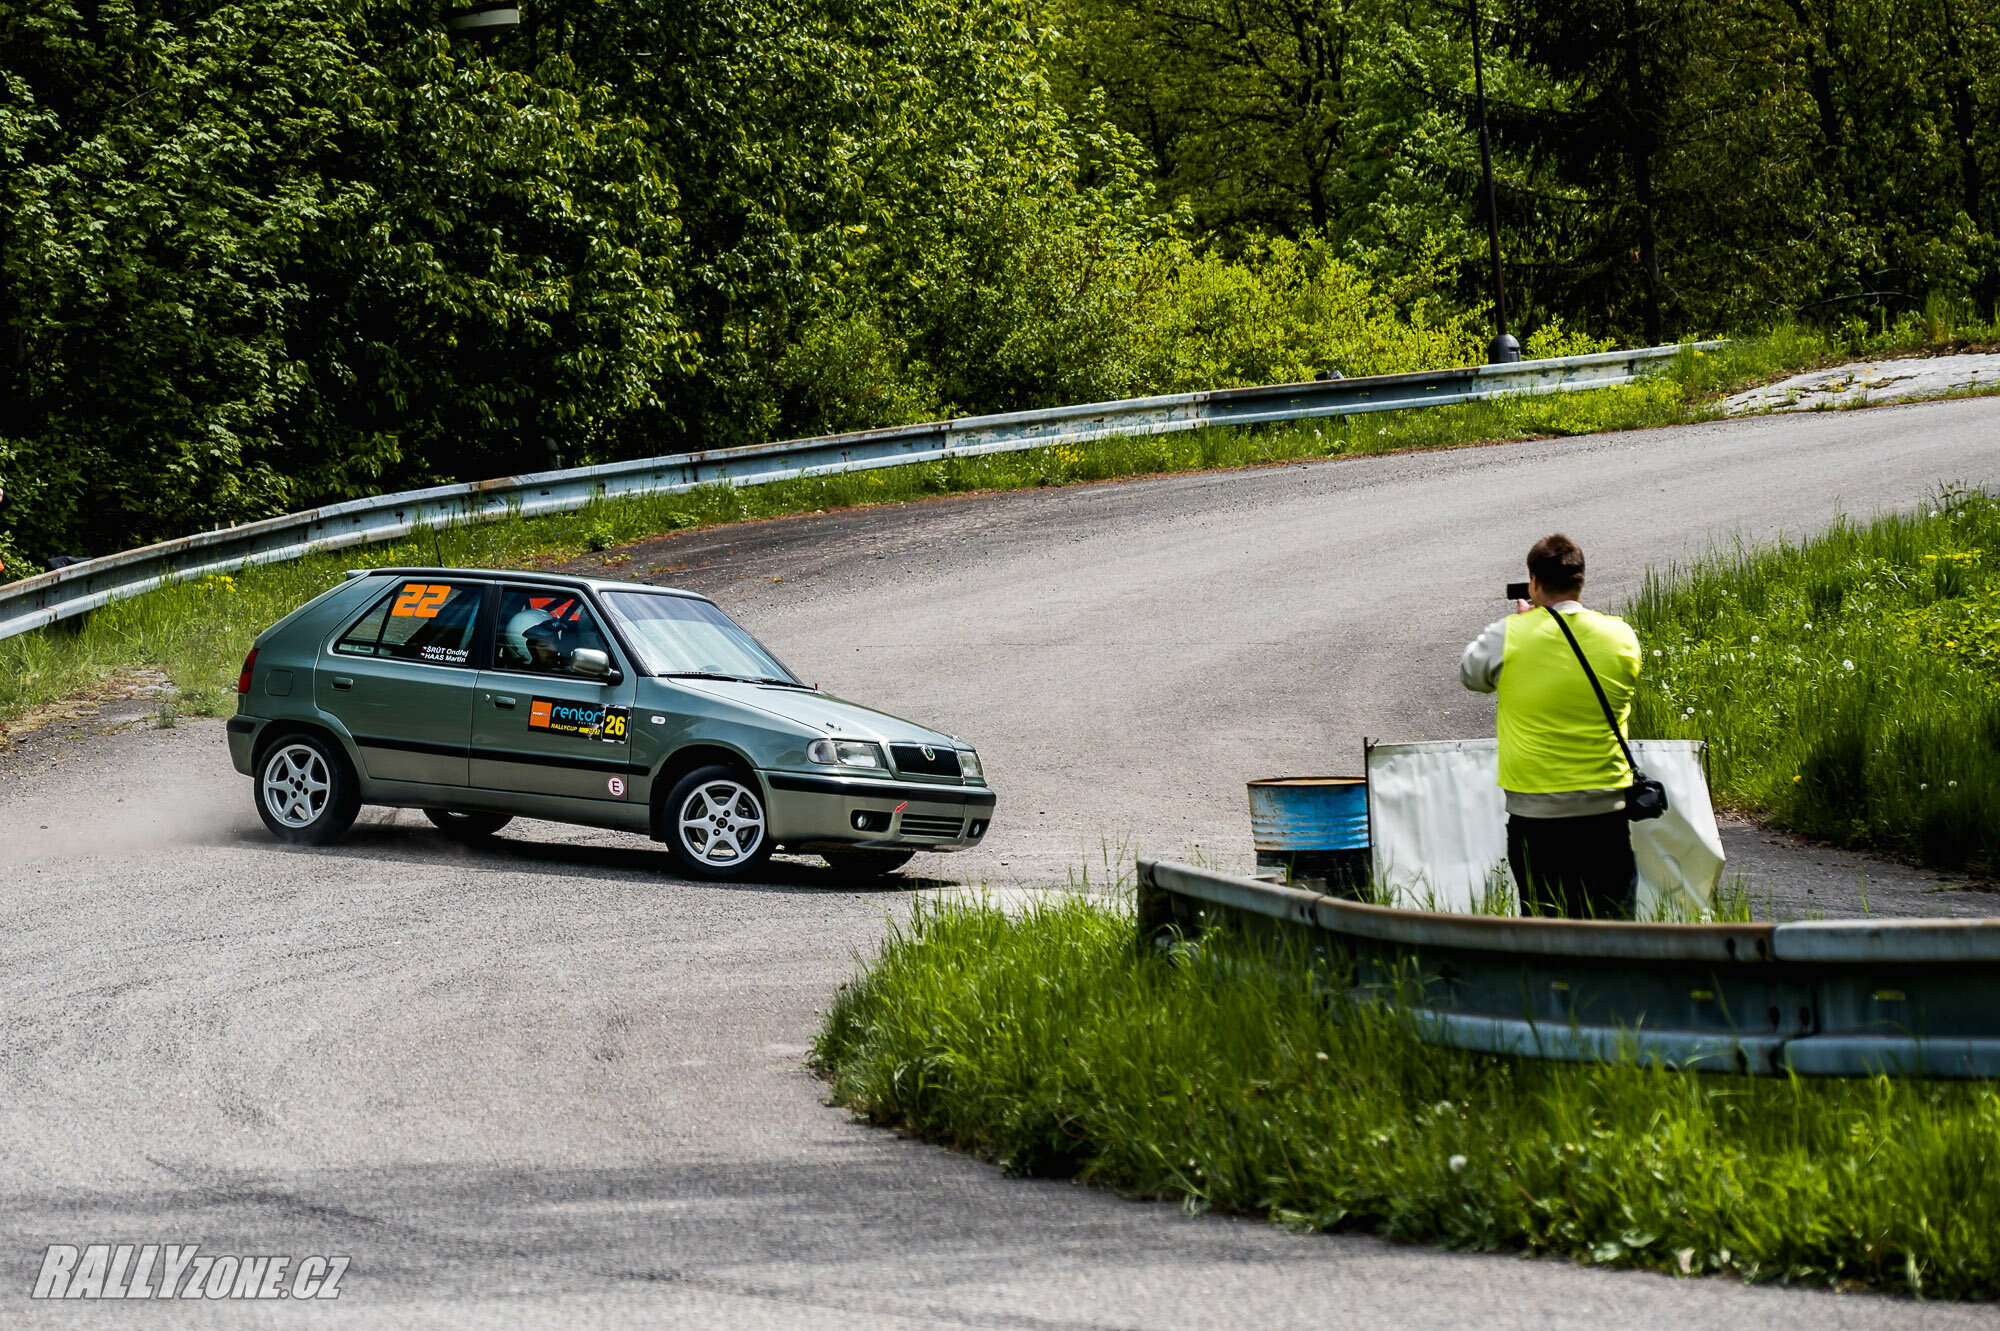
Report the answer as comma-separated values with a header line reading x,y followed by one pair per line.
x,y
401,679
541,725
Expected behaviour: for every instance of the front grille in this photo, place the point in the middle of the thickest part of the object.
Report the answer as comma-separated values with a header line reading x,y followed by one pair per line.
x,y
910,758
930,825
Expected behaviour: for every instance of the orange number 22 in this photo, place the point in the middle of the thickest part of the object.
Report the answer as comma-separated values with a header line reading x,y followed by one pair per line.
x,y
421,601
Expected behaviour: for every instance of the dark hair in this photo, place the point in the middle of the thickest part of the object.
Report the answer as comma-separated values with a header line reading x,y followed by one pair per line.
x,y
1557,563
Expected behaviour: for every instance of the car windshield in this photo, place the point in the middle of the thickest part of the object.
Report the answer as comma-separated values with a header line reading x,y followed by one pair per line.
x,y
678,635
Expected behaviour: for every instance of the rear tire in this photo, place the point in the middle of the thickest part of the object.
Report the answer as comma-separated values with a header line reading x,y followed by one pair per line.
x,y
466,826
715,823
866,863
306,790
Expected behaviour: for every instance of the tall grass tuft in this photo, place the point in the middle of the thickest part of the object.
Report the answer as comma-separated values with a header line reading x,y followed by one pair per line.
x,y
1229,1077
1848,685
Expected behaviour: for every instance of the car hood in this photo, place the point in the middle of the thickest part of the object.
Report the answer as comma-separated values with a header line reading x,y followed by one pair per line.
x,y
816,711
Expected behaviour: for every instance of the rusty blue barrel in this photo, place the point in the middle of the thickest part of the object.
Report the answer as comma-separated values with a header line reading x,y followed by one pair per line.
x,y
1314,828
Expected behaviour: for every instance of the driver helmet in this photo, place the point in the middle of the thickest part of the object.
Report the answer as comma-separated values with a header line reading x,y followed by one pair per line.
x,y
533,638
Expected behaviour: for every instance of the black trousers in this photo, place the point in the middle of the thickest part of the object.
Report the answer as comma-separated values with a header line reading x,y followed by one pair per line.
x,y
1576,867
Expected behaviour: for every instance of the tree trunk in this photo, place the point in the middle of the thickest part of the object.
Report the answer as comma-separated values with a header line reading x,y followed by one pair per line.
x,y
1964,117
1649,242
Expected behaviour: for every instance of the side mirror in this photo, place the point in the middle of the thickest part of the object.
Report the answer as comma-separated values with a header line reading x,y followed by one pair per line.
x,y
590,662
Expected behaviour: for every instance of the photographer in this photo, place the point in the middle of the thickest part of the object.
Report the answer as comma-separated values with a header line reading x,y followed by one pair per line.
x,y
1568,833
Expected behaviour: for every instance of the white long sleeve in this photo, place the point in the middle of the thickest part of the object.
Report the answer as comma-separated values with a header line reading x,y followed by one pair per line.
x,y
1479,665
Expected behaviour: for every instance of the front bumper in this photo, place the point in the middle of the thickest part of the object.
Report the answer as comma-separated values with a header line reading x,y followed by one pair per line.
x,y
811,811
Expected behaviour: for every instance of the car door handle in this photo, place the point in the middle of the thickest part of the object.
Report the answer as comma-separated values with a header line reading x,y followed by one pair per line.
x,y
502,700
343,682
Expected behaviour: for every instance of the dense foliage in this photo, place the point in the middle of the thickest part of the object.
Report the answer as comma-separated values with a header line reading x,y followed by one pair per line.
x,y
258,254
263,254
1665,166
1237,1079
1849,685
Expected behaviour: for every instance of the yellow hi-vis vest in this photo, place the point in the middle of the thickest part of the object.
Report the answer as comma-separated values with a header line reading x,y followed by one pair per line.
x,y
1553,736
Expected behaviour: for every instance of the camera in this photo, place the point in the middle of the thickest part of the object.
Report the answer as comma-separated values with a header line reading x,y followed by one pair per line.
x,y
1517,591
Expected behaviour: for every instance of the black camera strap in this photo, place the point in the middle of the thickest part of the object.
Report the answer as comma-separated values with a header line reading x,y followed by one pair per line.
x,y
1598,689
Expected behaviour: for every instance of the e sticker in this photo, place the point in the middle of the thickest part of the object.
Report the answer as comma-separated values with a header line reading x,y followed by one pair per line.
x,y
580,720
616,785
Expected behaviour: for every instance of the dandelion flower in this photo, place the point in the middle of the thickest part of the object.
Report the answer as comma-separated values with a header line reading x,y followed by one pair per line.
x,y
1457,1164
1656,651
1923,785
1847,664
1951,783
1753,637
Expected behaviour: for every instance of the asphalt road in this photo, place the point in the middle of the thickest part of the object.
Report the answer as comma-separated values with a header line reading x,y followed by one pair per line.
x,y
547,1084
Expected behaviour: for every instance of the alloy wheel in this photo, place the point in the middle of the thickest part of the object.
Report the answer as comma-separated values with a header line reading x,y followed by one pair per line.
x,y
721,823
296,785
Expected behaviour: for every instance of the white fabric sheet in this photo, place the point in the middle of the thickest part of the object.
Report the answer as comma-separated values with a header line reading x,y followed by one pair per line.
x,y
1438,826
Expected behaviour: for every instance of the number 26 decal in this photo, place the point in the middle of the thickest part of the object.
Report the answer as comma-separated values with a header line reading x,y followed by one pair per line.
x,y
614,724
421,601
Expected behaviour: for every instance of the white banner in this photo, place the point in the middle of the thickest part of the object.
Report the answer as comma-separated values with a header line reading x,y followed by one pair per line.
x,y
1437,822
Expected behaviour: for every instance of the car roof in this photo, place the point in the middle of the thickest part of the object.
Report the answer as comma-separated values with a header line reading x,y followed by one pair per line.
x,y
522,575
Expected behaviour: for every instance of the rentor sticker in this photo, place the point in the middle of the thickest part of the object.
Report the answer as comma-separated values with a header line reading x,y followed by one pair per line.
x,y
585,721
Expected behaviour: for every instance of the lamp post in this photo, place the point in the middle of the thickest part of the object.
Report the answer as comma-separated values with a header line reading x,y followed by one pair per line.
x,y
1503,348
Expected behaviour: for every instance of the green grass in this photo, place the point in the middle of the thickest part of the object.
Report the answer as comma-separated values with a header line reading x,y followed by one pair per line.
x,y
1848,685
1237,1080
197,632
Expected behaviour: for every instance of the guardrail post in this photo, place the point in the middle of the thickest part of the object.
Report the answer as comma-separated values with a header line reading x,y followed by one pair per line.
x,y
1160,913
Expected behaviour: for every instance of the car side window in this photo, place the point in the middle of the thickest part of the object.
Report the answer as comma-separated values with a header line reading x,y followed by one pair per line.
x,y
417,621
540,631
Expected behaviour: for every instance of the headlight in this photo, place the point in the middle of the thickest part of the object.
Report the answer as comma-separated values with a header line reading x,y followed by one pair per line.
x,y
968,766
846,753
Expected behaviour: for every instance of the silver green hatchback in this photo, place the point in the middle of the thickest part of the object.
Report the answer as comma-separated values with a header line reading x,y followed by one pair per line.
x,y
481,696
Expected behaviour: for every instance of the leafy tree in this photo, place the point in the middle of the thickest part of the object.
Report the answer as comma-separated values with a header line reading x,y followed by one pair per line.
x,y
1665,166
255,255
1244,105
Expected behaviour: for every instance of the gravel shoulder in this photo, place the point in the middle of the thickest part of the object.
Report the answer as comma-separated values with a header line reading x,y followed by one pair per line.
x,y
1871,383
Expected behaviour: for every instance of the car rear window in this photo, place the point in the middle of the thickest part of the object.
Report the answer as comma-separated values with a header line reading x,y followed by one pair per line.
x,y
417,621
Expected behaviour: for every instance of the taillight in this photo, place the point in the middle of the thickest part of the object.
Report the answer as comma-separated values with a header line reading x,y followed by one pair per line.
x,y
243,680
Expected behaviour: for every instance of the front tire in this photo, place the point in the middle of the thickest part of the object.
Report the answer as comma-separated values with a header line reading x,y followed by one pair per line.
x,y
866,863
716,824
468,827
307,793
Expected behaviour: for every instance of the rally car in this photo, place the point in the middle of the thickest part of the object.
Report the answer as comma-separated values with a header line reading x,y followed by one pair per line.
x,y
481,696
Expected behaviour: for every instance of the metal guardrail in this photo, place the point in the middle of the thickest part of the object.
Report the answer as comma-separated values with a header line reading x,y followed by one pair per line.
x,y
34,602
1914,998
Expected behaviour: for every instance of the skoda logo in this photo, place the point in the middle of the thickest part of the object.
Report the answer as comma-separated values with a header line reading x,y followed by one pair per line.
x,y
929,755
